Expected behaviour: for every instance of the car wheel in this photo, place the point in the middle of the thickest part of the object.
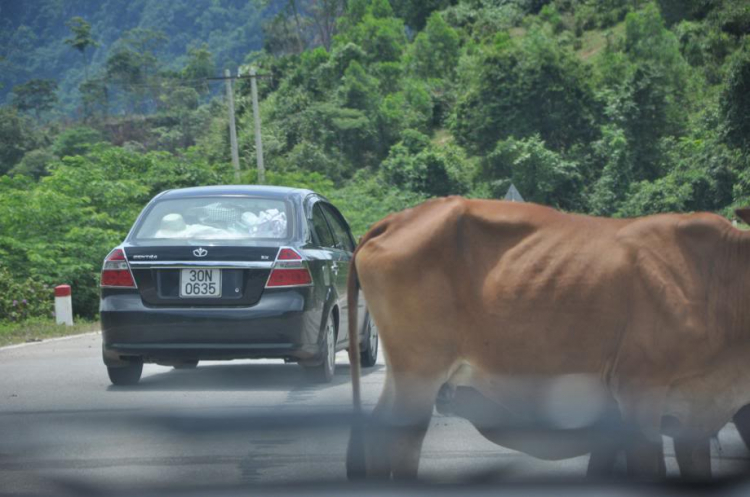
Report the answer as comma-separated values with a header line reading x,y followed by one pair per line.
x,y
186,365
323,373
127,375
369,354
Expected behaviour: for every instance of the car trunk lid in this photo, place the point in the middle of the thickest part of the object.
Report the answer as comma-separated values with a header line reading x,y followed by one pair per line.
x,y
201,275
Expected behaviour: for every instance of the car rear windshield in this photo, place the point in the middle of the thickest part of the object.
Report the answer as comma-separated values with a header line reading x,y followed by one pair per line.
x,y
234,219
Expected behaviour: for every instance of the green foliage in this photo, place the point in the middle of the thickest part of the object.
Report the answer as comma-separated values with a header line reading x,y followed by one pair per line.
x,y
414,164
526,88
34,34
540,174
674,11
17,136
81,39
704,46
34,164
76,141
733,17
308,157
200,65
367,198
381,37
435,50
416,12
37,95
700,178
21,300
59,230
648,40
735,101
358,89
612,107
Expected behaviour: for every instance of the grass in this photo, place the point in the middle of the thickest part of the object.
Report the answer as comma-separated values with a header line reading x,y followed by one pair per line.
x,y
37,329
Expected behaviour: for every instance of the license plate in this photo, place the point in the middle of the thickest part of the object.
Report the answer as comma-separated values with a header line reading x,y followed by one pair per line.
x,y
200,283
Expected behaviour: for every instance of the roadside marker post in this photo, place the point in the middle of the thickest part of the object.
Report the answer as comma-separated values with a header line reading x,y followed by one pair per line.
x,y
63,305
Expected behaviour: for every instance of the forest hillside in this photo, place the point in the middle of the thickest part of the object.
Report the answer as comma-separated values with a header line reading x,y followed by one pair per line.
x,y
612,108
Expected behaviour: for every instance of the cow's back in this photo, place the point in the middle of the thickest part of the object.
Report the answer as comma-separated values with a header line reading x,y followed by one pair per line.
x,y
507,288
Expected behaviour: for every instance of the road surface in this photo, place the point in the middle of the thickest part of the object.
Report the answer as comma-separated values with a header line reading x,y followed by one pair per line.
x,y
62,421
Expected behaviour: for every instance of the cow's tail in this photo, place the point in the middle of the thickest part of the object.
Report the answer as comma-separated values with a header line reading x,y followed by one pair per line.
x,y
355,459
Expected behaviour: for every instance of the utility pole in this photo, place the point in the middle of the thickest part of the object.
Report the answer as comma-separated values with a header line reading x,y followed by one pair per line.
x,y
232,126
258,140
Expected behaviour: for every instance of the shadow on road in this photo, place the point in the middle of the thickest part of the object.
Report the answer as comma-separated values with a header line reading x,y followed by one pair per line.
x,y
239,377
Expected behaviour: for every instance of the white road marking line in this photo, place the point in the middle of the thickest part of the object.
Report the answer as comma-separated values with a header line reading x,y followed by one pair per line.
x,y
48,340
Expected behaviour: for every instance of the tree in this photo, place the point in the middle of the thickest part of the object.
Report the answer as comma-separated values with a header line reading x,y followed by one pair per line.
x,y
358,89
325,14
435,51
416,165
674,11
78,140
200,66
542,175
133,65
81,39
381,36
17,137
94,97
416,12
525,88
34,163
38,95
735,101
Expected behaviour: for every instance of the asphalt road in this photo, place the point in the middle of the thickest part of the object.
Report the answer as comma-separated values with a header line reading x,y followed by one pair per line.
x,y
61,421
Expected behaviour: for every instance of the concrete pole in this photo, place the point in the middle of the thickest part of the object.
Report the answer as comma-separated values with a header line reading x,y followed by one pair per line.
x,y
63,305
258,140
232,126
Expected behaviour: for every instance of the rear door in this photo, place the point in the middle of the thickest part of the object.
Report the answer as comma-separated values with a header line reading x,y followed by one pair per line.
x,y
207,251
342,255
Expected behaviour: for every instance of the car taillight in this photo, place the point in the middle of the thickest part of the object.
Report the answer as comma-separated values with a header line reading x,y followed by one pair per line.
x,y
116,271
289,270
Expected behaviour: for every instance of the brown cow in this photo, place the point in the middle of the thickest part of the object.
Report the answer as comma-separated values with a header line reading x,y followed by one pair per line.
x,y
514,300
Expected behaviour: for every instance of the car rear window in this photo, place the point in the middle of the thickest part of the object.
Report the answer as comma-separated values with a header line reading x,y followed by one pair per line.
x,y
216,218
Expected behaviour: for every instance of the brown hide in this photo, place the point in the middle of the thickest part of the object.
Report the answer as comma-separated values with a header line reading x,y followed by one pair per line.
x,y
479,293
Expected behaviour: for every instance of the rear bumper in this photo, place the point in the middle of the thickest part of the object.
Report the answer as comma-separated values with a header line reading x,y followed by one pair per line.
x,y
283,324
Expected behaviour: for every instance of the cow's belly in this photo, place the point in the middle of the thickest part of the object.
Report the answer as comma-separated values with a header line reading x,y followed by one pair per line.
x,y
548,417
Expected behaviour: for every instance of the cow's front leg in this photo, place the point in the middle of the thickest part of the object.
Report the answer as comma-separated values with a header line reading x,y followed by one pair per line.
x,y
603,458
693,457
645,457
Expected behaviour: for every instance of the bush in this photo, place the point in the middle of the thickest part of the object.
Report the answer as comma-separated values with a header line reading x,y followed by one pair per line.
x,y
416,165
23,299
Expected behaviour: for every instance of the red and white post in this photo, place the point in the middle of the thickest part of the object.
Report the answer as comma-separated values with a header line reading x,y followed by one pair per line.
x,y
63,305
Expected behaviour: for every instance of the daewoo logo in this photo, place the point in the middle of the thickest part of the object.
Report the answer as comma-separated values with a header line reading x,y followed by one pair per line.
x,y
200,252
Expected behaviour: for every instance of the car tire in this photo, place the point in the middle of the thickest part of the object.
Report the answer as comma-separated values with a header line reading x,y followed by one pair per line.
x,y
369,354
127,375
186,365
323,372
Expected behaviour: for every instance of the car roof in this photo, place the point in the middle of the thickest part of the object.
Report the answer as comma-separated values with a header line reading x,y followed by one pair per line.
x,y
267,191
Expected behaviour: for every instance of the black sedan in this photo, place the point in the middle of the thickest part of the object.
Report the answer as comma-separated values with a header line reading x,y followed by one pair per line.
x,y
230,272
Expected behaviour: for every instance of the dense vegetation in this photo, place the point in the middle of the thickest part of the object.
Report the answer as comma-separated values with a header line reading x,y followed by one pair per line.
x,y
616,108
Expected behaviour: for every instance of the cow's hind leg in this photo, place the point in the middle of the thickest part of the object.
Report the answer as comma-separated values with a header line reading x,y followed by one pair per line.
x,y
742,422
399,424
693,457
